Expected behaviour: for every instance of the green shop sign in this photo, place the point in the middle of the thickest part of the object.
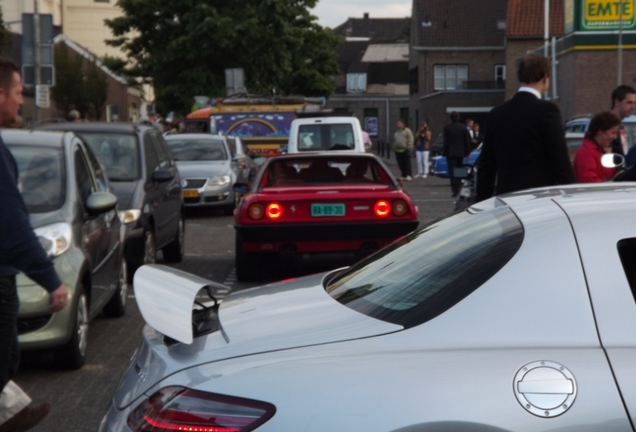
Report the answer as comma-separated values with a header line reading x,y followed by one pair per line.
x,y
599,15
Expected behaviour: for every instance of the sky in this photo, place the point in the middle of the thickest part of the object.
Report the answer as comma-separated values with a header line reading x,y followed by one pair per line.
x,y
332,13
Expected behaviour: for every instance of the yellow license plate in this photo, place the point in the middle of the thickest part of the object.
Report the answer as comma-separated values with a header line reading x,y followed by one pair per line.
x,y
190,193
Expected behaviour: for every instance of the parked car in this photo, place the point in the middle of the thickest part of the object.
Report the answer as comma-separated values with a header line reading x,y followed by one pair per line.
x,y
75,218
509,316
437,148
319,132
145,180
301,204
439,164
208,168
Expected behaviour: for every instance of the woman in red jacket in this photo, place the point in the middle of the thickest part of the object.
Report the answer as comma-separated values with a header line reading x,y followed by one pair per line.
x,y
598,139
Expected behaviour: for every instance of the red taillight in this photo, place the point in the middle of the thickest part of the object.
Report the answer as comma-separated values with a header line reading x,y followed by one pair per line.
x,y
181,409
274,211
382,208
400,207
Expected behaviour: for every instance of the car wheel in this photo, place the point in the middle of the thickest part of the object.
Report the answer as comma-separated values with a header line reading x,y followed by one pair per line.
x,y
116,306
73,354
150,252
247,264
174,251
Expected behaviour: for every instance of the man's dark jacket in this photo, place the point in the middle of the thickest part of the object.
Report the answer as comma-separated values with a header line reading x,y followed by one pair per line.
x,y
456,140
524,147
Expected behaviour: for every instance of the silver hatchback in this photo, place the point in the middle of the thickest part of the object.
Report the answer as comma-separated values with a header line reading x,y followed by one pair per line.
x,y
208,168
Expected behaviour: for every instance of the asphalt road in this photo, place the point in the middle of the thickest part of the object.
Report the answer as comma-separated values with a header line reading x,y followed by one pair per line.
x,y
80,397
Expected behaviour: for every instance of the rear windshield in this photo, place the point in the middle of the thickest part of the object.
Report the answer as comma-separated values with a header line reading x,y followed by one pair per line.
x,y
421,276
318,137
118,153
197,150
42,176
320,170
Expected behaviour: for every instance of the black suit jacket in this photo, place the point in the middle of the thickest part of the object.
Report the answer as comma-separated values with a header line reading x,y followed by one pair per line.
x,y
456,140
524,147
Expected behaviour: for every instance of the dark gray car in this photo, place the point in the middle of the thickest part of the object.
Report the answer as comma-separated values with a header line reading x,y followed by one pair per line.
x,y
146,182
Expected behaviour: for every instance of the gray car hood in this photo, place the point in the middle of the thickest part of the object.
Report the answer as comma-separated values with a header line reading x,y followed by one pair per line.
x,y
269,318
203,169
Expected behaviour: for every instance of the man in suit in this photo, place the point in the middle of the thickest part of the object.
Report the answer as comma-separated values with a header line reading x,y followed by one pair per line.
x,y
456,148
623,104
524,145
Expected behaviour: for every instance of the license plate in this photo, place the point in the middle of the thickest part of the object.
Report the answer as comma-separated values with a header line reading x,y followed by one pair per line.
x,y
190,193
327,210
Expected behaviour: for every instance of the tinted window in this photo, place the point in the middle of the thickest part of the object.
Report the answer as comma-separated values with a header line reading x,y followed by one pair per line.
x,y
432,269
150,155
42,177
118,153
197,150
97,170
163,154
315,137
82,177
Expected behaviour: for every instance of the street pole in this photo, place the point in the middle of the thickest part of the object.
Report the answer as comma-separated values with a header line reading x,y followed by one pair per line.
x,y
619,74
36,66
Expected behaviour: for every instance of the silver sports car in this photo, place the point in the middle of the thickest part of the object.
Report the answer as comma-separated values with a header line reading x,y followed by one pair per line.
x,y
517,314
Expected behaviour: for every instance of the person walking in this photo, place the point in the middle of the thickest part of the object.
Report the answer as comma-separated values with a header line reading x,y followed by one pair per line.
x,y
598,140
422,149
456,148
20,250
623,104
524,143
403,148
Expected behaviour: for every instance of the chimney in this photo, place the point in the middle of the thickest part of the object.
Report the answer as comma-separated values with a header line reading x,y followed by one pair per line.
x,y
366,15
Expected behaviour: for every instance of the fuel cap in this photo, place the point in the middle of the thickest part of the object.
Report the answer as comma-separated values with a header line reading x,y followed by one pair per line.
x,y
545,388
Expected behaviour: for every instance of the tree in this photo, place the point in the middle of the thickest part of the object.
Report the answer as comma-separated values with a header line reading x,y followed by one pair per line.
x,y
5,37
183,47
79,84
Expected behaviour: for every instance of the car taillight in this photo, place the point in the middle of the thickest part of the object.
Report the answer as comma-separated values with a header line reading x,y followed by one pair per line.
x,y
274,211
400,207
382,208
256,211
182,409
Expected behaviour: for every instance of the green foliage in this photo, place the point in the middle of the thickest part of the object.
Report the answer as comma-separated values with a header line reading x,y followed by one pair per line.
x,y
5,37
183,47
79,84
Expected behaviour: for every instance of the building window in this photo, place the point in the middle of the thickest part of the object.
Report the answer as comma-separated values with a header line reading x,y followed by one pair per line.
x,y
450,77
500,73
356,82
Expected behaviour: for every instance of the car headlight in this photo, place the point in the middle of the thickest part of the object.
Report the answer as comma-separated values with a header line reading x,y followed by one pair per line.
x,y
219,180
129,216
55,238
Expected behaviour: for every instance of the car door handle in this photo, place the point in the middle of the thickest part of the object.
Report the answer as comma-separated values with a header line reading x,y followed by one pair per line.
x,y
554,386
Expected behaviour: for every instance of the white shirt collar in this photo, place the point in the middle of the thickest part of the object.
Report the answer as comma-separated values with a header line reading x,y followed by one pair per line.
x,y
530,90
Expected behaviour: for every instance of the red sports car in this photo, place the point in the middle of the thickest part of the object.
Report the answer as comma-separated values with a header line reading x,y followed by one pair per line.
x,y
318,202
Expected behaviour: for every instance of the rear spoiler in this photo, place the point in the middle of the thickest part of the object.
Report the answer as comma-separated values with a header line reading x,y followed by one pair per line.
x,y
166,297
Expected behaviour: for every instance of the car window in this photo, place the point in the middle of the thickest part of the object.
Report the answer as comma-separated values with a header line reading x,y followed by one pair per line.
x,y
151,158
42,176
350,170
97,170
197,149
429,271
316,137
83,178
118,153
163,154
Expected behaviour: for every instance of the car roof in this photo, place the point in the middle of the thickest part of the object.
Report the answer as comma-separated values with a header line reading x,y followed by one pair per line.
x,y
585,196
174,136
108,127
30,137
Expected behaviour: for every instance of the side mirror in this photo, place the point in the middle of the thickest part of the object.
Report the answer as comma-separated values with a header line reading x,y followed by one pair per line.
x,y
241,188
100,202
612,160
162,176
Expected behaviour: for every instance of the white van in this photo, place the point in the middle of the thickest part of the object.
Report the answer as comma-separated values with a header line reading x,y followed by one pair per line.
x,y
325,134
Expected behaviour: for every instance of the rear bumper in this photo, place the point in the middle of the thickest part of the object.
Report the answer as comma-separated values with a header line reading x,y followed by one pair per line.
x,y
322,237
